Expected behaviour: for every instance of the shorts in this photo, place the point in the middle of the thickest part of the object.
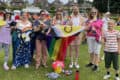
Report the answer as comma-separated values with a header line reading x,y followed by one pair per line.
x,y
111,58
93,46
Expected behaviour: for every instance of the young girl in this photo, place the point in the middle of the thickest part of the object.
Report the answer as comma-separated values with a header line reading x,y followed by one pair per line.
x,y
111,49
5,39
76,20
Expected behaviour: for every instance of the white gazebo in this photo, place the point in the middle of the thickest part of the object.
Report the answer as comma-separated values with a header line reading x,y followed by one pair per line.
x,y
32,9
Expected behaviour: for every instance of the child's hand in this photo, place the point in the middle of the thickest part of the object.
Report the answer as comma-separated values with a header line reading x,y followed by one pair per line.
x,y
46,33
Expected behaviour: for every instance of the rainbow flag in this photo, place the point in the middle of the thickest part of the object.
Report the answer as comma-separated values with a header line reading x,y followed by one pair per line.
x,y
57,45
66,30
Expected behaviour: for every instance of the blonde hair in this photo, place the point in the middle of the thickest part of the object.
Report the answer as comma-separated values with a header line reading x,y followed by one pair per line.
x,y
94,9
112,21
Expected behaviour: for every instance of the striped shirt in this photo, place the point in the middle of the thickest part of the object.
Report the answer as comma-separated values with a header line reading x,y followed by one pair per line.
x,y
111,41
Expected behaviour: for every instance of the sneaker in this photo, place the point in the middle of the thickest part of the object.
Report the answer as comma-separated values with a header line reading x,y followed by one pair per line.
x,y
77,65
13,67
107,76
44,65
26,66
5,66
37,66
71,65
117,78
89,65
95,68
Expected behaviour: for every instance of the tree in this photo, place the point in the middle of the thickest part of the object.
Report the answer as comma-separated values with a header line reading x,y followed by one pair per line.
x,y
102,5
3,5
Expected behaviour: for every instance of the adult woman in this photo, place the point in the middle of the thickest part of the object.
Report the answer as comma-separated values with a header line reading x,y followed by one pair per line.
x,y
41,49
76,20
94,31
58,19
59,53
22,55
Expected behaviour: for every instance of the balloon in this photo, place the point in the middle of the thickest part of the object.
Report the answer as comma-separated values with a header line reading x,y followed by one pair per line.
x,y
51,1
58,66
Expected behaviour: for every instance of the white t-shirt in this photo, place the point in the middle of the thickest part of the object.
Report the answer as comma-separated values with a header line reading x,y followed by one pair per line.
x,y
23,26
76,21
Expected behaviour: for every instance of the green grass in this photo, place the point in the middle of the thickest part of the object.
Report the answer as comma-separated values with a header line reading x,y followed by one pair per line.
x,y
117,28
33,74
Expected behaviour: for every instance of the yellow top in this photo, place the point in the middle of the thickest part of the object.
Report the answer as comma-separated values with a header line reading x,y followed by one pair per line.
x,y
2,23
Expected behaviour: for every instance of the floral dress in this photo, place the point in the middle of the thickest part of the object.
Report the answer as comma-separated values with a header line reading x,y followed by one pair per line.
x,y
23,46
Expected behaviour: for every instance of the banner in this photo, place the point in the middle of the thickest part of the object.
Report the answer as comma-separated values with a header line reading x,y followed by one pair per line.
x,y
66,30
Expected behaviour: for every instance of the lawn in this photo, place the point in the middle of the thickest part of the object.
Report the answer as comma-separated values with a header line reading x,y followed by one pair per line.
x,y
33,74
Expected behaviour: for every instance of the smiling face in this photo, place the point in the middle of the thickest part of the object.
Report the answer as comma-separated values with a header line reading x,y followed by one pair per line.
x,y
94,13
24,16
111,24
75,10
43,15
58,15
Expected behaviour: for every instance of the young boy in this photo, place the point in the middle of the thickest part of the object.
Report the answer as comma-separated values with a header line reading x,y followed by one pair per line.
x,y
112,49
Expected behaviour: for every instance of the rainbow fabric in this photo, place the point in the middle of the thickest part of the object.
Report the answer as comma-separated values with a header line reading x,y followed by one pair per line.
x,y
57,45
66,30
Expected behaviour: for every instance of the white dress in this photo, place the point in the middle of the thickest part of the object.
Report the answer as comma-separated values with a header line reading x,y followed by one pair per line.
x,y
76,21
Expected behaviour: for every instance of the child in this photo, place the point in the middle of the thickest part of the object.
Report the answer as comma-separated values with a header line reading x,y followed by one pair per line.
x,y
111,48
76,20
5,39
